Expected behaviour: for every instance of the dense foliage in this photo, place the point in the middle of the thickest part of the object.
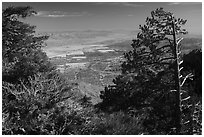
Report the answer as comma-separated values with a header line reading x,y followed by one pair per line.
x,y
21,49
47,107
193,63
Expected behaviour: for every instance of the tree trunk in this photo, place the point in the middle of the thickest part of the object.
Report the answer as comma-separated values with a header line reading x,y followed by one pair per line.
x,y
177,82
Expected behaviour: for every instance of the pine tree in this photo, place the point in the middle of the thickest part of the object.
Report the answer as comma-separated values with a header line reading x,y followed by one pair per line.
x,y
21,48
151,75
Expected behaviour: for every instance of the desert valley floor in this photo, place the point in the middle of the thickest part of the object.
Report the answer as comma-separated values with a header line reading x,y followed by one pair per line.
x,y
91,59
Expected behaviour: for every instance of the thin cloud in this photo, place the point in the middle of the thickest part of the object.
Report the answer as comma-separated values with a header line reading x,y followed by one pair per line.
x,y
58,14
174,3
183,3
128,4
124,4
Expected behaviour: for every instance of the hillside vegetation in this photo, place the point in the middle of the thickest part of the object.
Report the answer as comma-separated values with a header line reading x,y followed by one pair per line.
x,y
131,90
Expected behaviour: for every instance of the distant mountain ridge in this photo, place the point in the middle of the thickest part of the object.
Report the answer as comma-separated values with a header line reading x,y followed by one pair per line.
x,y
59,43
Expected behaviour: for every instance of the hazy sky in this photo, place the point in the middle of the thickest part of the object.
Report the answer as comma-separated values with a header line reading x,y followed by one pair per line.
x,y
62,16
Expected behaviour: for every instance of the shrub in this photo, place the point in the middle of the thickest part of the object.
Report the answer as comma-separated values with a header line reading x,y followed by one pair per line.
x,y
24,103
117,123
